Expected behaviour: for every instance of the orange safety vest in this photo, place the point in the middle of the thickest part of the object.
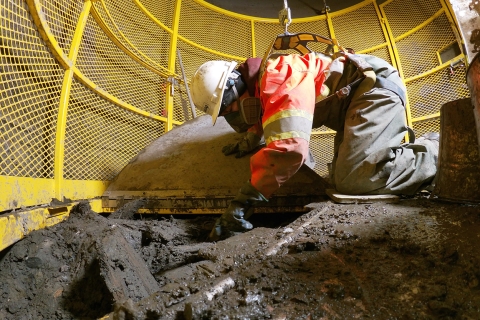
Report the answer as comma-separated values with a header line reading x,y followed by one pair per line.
x,y
288,88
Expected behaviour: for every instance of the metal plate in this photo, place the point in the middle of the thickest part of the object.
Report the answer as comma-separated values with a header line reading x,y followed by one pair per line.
x,y
185,171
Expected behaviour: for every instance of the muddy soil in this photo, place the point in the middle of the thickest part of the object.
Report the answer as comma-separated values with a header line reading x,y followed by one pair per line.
x,y
415,259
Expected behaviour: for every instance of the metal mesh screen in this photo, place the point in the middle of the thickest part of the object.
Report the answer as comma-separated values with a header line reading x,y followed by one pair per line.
x,y
102,138
405,15
30,84
381,53
62,17
214,30
115,72
359,29
134,30
163,11
424,92
321,146
424,126
418,52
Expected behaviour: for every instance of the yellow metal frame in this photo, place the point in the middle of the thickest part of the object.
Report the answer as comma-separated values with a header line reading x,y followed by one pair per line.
x,y
436,69
26,192
15,226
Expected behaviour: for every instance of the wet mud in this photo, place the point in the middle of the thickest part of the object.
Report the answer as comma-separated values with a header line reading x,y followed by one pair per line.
x,y
415,259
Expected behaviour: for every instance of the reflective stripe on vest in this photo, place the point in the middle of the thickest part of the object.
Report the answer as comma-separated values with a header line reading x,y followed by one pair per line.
x,y
288,124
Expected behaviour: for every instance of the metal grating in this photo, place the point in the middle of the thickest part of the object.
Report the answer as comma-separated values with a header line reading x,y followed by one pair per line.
x,y
114,71
405,15
62,17
381,53
30,84
431,125
321,146
424,92
359,29
102,138
163,11
214,30
418,51
139,34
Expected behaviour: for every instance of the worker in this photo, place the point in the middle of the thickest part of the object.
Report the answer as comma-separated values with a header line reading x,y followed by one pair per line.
x,y
278,100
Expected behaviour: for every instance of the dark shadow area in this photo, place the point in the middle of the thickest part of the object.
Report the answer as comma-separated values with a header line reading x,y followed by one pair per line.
x,y
5,251
88,297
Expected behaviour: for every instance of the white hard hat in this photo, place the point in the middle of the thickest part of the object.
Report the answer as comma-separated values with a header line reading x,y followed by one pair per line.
x,y
207,86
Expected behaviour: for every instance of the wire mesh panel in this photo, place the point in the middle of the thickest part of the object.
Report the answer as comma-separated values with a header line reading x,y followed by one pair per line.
x,y
359,29
30,86
62,17
425,31
102,138
419,51
424,126
111,69
135,31
424,93
321,146
405,15
215,30
161,10
182,107
381,53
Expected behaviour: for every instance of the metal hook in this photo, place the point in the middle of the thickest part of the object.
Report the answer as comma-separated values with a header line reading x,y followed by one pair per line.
x,y
325,7
285,14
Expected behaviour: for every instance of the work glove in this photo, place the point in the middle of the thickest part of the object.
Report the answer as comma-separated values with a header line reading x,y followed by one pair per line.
x,y
240,209
248,143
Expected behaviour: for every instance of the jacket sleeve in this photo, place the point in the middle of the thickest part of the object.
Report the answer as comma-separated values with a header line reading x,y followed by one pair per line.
x,y
249,71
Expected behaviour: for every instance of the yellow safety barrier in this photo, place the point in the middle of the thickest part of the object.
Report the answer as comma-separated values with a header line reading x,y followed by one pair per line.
x,y
85,85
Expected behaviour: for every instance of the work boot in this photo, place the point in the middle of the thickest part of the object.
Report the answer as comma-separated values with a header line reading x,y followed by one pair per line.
x,y
240,209
432,138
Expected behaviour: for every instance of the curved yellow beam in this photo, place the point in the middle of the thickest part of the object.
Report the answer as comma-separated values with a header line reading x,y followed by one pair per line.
x,y
107,96
161,71
428,117
193,44
436,69
66,62
64,100
420,26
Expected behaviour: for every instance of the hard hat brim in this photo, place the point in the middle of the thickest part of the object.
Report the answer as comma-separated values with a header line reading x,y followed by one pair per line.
x,y
216,109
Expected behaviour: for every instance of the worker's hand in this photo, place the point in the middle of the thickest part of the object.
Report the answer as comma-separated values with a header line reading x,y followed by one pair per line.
x,y
248,143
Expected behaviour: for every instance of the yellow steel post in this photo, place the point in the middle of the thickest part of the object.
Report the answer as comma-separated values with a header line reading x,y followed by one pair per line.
x,y
330,29
395,59
454,23
64,99
171,64
254,50
387,36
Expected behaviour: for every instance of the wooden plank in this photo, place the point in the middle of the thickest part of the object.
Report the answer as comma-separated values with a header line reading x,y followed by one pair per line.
x,y
344,198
